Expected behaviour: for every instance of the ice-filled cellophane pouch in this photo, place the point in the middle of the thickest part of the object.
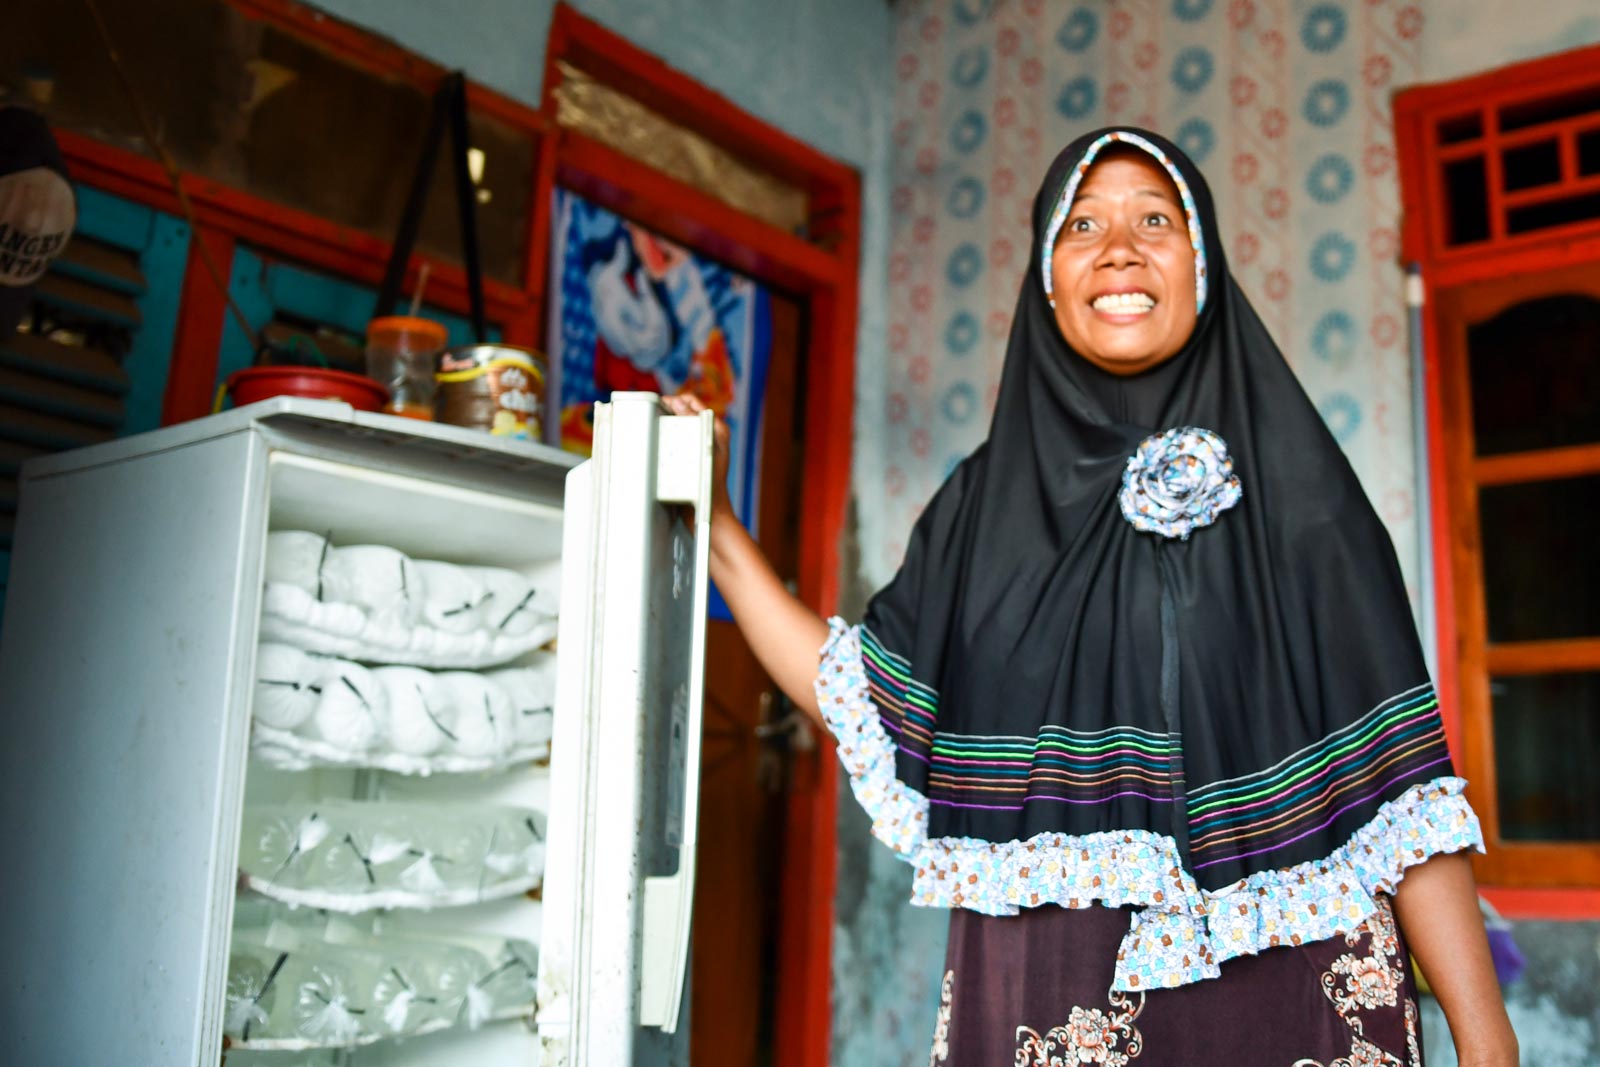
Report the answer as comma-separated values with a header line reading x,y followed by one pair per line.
x,y
356,856
304,980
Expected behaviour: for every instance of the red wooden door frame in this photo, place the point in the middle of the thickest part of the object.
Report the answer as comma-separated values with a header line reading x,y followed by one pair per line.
x,y
823,270
1424,215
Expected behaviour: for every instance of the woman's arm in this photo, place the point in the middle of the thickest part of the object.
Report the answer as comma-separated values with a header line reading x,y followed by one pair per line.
x,y
1437,905
785,635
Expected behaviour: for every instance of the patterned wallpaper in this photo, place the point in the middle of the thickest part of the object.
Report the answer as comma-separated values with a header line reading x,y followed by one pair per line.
x,y
1285,106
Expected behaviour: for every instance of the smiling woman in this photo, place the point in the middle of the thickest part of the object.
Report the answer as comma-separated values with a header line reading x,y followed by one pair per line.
x,y
1144,706
1123,269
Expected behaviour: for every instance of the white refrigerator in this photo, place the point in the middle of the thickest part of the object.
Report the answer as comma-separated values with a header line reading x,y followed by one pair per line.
x,y
133,779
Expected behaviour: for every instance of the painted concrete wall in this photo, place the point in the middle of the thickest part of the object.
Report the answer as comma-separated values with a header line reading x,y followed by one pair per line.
x,y
814,67
1467,36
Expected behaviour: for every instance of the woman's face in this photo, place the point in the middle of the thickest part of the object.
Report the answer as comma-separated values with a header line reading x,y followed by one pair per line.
x,y
1123,269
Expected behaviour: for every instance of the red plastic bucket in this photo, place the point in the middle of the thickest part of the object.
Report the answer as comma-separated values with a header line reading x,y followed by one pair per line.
x,y
317,383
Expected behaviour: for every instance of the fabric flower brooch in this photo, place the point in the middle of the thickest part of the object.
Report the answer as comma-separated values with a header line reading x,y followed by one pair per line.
x,y
1177,481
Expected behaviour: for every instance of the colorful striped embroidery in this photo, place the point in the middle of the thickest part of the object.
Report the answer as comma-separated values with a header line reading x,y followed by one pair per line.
x,y
1179,932
1067,766
908,707
1307,791
1001,772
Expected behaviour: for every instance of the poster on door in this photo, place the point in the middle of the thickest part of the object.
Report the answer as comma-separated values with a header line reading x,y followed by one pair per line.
x,y
633,311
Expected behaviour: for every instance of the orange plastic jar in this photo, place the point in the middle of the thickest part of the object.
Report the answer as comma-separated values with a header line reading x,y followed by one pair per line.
x,y
402,354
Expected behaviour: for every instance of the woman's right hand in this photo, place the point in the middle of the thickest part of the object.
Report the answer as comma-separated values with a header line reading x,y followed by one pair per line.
x,y
783,632
686,404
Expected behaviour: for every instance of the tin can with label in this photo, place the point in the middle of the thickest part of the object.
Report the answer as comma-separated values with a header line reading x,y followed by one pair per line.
x,y
495,388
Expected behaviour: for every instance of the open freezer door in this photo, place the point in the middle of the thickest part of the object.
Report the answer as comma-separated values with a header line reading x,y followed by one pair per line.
x,y
625,758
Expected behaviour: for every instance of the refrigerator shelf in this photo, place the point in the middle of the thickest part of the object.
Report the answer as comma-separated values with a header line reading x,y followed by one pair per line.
x,y
353,856
387,900
289,751
300,984
367,1040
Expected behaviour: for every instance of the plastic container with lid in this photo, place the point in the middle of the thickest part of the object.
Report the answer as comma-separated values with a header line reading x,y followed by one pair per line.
x,y
402,354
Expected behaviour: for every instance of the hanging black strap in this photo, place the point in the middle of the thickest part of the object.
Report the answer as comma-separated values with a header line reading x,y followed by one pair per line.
x,y
466,201
449,107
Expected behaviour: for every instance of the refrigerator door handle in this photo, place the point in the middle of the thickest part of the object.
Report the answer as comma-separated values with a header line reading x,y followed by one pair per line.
x,y
683,476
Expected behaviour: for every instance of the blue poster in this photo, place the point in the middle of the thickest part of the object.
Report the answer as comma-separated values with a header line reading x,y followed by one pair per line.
x,y
633,311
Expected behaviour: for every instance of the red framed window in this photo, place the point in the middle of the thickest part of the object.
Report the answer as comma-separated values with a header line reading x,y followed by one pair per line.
x,y
1501,182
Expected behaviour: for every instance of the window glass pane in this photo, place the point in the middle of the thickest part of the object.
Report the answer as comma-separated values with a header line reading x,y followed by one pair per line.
x,y
257,108
1546,734
1540,568
1555,213
1531,165
1589,153
1536,375
1466,183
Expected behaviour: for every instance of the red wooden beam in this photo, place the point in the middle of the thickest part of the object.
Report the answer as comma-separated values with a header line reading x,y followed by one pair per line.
x,y
1541,464
804,1027
537,265
1545,194
803,1024
1447,635
197,341
1416,194
1569,246
272,227
1555,656
1560,904
1494,168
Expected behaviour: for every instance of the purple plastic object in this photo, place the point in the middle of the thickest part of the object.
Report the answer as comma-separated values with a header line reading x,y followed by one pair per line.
x,y
1509,962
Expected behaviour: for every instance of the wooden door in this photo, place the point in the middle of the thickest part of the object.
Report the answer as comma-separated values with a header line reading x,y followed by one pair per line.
x,y
1520,365
741,777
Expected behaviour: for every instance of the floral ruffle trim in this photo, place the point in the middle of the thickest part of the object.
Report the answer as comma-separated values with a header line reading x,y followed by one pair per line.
x,y
1180,934
1115,868
899,813
1300,904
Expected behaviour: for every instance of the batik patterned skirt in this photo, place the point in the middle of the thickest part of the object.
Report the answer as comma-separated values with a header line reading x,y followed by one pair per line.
x,y
1032,990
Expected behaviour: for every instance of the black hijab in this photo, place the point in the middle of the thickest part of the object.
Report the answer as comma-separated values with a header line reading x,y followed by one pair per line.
x,y
1253,688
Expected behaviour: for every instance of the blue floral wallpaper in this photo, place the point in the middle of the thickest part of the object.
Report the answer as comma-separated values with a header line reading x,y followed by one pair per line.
x,y
1285,105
